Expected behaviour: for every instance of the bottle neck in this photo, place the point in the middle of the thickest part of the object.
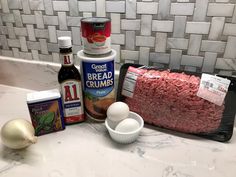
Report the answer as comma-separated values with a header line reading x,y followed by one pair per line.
x,y
66,57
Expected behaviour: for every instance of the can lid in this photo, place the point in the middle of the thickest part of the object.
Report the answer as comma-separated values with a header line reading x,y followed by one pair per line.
x,y
64,42
40,96
95,20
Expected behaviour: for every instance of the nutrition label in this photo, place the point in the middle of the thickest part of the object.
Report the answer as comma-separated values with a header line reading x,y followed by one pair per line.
x,y
130,82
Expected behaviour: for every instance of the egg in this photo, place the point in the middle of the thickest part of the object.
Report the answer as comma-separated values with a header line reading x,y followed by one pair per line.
x,y
118,111
127,125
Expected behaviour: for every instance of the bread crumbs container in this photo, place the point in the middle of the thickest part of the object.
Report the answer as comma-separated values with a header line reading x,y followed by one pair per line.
x,y
98,83
45,108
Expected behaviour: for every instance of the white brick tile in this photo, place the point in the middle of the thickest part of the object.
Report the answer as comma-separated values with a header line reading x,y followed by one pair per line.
x,y
35,55
230,51
43,46
218,9
175,59
33,45
76,35
179,26
48,7
129,61
115,6
28,19
147,7
190,68
73,8
8,18
26,7
17,17
222,0
56,58
230,29
144,55
198,27
14,4
164,9
87,14
160,57
200,10
52,34
118,39
3,42
129,55
5,8
41,33
30,30
23,44
192,60
131,7
115,23
16,53
39,19
146,25
194,44
50,20
36,4
100,8
63,33
130,40
26,55
86,6
75,49
117,49
161,41
162,26
53,47
209,62
130,24
145,41
47,58
13,43
62,20
8,53
73,21
3,30
225,64
177,43
182,8
60,5
20,31
1,23
234,15
217,25
10,29
213,46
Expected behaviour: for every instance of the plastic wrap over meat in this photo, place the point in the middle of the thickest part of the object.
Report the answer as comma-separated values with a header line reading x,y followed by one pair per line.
x,y
170,100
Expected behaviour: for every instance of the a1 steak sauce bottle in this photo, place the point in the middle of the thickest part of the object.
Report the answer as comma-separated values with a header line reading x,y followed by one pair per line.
x,y
70,83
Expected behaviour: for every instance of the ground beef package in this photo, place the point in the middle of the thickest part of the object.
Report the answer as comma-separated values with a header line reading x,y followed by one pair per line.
x,y
186,102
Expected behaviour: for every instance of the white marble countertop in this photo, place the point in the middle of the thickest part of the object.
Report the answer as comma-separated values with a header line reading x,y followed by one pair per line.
x,y
86,150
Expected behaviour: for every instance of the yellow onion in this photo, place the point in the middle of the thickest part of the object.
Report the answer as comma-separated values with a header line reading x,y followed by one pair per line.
x,y
18,134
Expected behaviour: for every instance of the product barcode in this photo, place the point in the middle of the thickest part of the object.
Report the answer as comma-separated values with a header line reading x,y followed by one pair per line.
x,y
207,84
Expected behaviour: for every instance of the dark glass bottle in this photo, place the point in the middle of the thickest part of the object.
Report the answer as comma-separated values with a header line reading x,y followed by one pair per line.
x,y
70,82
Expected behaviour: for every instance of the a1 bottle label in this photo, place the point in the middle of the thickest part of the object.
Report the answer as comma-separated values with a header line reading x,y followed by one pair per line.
x,y
72,101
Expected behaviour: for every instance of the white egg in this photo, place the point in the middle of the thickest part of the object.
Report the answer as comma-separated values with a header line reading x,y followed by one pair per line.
x,y
127,125
117,111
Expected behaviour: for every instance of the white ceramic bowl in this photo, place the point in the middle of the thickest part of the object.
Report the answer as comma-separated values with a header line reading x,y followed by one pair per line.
x,y
129,137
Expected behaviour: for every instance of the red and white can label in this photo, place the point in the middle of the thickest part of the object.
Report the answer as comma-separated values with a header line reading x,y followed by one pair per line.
x,y
72,101
96,37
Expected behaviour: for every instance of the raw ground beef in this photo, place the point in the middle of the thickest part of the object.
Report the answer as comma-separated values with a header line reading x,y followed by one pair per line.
x,y
169,100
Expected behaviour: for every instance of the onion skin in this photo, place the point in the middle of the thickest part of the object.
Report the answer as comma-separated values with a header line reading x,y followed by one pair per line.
x,y
18,134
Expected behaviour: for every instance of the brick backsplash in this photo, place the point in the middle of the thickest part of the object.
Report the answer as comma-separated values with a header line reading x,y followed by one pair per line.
x,y
193,35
